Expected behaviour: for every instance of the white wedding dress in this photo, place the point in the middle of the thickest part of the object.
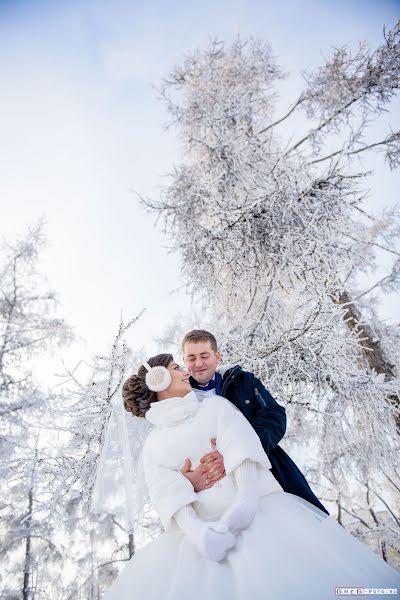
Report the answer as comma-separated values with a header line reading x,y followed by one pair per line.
x,y
291,550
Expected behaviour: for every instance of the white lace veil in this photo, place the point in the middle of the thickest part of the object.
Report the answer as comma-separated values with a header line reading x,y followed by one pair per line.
x,y
120,487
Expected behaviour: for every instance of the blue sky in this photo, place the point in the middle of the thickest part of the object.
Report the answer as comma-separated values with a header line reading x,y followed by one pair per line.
x,y
81,127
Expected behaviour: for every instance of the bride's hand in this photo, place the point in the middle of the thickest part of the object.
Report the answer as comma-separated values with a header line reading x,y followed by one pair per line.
x,y
213,540
210,470
240,514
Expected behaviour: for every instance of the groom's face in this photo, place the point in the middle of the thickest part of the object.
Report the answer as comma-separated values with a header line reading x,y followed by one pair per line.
x,y
201,360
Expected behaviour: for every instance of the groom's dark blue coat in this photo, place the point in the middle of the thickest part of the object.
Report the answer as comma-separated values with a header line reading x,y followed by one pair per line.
x,y
268,419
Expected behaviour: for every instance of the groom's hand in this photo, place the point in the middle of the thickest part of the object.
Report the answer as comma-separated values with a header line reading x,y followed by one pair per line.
x,y
210,470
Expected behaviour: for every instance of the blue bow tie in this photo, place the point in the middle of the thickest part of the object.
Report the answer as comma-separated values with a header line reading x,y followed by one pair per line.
x,y
210,386
216,383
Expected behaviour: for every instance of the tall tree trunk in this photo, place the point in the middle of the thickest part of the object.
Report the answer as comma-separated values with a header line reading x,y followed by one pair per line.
x,y
372,350
131,545
28,555
374,353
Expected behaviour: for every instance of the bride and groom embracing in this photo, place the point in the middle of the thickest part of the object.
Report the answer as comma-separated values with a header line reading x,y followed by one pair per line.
x,y
240,520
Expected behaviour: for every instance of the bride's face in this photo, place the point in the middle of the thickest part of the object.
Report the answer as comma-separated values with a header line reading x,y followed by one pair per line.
x,y
179,385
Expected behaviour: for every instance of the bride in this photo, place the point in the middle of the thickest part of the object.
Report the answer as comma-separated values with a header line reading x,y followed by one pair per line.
x,y
244,538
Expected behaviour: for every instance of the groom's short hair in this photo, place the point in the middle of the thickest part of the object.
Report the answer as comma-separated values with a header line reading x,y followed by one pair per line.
x,y
200,335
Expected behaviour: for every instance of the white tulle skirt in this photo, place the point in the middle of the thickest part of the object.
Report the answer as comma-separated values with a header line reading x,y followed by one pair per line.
x,y
291,551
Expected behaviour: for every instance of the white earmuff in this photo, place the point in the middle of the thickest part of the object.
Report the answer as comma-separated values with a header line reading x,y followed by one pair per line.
x,y
157,378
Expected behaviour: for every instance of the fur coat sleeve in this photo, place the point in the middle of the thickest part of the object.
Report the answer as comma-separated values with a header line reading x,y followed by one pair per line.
x,y
169,490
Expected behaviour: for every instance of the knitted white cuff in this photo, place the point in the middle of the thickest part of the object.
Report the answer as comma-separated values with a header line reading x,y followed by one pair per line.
x,y
246,477
187,519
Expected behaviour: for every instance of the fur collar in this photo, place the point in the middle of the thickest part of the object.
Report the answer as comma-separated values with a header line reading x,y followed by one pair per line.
x,y
172,410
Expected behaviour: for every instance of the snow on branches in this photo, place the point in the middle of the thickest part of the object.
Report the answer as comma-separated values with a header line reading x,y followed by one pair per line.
x,y
274,234
83,414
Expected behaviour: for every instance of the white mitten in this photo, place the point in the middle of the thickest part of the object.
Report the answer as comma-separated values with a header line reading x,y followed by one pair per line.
x,y
212,539
241,513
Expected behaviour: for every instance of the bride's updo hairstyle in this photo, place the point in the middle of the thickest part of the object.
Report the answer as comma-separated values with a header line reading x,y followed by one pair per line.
x,y
136,395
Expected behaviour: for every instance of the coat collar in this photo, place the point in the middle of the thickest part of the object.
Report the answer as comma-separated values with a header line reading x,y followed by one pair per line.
x,y
172,410
223,369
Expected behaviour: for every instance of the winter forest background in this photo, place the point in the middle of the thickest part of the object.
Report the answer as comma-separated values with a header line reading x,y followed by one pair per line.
x,y
274,185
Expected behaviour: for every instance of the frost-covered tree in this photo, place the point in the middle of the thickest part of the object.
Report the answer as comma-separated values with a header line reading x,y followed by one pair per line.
x,y
101,544
51,546
273,231
29,327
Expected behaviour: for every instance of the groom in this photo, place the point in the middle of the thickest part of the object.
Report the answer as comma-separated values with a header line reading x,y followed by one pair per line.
x,y
247,393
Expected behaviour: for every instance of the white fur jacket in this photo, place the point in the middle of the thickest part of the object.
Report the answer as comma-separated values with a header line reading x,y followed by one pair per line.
x,y
183,429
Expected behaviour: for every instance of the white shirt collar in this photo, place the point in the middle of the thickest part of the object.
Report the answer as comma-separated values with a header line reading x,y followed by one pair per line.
x,y
201,394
